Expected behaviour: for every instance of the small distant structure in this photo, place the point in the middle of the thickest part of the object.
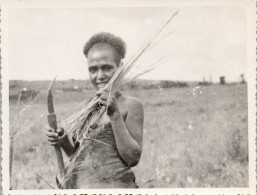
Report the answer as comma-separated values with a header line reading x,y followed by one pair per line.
x,y
222,80
242,79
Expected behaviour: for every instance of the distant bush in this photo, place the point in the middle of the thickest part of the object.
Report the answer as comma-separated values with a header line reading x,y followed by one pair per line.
x,y
151,84
204,83
69,89
143,86
172,84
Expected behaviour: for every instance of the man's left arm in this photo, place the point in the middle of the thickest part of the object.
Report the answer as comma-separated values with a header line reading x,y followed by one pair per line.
x,y
128,134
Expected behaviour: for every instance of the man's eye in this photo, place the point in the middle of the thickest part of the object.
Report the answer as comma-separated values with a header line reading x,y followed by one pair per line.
x,y
107,68
92,70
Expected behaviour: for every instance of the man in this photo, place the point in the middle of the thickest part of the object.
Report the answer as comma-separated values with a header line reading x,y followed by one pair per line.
x,y
116,145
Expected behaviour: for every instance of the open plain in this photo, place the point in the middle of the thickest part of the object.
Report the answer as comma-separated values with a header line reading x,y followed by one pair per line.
x,y
194,136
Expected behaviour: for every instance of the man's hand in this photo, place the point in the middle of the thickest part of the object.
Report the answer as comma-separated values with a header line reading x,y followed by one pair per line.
x,y
56,138
108,100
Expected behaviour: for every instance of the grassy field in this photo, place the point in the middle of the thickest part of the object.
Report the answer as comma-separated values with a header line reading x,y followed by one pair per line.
x,y
193,137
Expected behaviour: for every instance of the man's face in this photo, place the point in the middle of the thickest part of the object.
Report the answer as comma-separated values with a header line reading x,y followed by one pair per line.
x,y
102,64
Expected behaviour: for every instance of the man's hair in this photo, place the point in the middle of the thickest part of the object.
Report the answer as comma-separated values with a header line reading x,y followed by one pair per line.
x,y
104,37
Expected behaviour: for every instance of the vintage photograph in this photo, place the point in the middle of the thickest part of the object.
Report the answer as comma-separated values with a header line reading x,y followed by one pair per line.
x,y
106,97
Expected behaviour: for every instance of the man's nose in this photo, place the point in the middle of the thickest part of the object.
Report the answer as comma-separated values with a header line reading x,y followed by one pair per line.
x,y
100,75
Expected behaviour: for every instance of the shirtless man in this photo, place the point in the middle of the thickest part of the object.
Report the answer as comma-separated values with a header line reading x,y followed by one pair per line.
x,y
104,53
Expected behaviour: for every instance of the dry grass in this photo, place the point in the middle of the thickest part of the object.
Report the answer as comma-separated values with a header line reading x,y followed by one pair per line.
x,y
193,137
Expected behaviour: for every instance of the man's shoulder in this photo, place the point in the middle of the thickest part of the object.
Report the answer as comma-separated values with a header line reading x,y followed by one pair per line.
x,y
133,102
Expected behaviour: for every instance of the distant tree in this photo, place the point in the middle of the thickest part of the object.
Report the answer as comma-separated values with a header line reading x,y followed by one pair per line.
x,y
222,80
242,78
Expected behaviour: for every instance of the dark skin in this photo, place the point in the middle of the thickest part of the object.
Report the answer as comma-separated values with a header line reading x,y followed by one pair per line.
x,y
125,113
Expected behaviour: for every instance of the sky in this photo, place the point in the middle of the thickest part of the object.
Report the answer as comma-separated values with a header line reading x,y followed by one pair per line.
x,y
201,42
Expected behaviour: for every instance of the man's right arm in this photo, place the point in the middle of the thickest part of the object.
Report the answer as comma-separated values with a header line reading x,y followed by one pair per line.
x,y
57,139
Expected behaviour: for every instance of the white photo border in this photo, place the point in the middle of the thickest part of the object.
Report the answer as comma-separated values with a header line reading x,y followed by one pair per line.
x,y
250,8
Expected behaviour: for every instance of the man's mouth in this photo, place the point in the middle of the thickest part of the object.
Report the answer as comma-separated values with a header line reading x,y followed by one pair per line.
x,y
101,85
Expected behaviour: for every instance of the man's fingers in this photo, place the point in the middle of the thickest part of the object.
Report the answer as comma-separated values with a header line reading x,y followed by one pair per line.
x,y
104,97
102,102
60,131
53,139
51,134
99,92
54,135
50,129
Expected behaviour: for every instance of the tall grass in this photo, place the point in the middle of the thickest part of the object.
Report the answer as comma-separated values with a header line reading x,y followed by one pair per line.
x,y
20,124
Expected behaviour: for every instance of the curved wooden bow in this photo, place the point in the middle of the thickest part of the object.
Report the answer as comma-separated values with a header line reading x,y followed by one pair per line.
x,y
53,124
